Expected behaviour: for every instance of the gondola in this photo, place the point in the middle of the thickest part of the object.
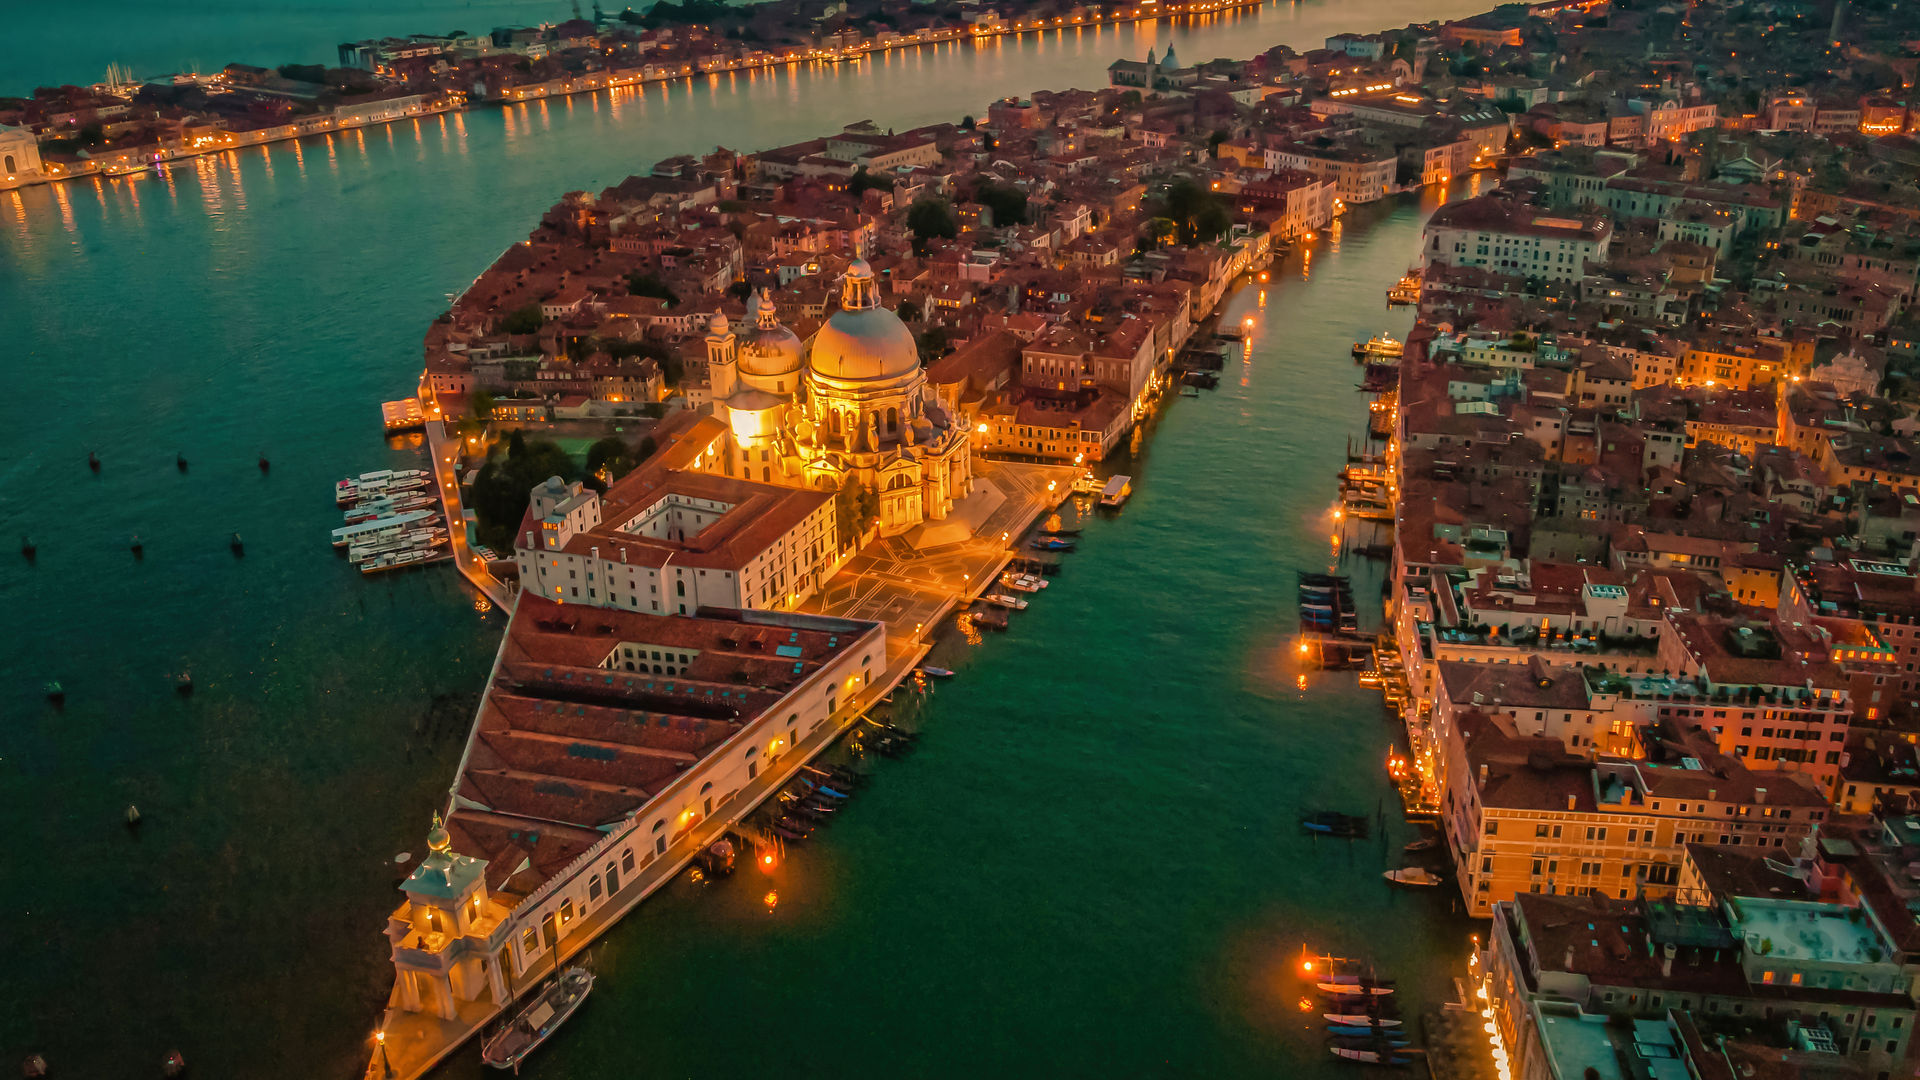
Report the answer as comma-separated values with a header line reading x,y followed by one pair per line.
x,y
1333,823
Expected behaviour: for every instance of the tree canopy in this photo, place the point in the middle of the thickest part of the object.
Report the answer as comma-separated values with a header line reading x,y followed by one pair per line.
x,y
640,284
1008,203
931,217
500,493
523,320
1198,214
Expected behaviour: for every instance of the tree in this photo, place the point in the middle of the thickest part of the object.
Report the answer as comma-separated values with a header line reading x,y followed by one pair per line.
x,y
968,123
306,73
933,343
1008,203
855,506
931,217
481,403
908,311
1157,232
641,284
1197,213
862,180
523,320
612,455
500,492
1214,140
740,290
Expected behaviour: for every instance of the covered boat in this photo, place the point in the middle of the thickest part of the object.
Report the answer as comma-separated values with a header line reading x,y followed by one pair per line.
x,y
544,1014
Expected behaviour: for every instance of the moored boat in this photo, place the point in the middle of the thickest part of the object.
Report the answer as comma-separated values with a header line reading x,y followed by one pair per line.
x,y
1415,876
1051,543
1371,1055
936,672
1005,601
1354,989
1425,843
1361,1019
537,1022
1027,583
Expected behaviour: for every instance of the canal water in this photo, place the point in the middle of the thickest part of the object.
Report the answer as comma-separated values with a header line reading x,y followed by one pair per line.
x,y
1091,863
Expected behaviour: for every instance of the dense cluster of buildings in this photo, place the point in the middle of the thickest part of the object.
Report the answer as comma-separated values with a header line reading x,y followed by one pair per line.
x,y
1656,499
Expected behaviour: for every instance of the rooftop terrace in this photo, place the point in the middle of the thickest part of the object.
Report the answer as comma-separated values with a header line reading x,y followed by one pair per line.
x,y
1803,930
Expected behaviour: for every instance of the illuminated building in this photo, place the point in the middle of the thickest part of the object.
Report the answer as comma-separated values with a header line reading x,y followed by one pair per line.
x,y
584,771
859,410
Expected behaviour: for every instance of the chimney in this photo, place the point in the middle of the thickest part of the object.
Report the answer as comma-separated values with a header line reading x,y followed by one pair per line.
x,y
1566,962
1666,961
1759,795
1572,802
1483,776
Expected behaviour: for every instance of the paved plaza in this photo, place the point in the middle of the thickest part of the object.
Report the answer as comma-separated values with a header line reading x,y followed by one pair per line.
x,y
912,581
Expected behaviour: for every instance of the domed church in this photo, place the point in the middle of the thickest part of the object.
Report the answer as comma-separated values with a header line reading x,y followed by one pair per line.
x,y
858,407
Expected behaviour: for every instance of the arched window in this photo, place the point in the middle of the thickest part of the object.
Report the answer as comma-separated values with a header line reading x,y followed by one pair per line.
x,y
893,421
679,588
10,168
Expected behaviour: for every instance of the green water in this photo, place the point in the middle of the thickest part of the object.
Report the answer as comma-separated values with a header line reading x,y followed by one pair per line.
x,y
1090,864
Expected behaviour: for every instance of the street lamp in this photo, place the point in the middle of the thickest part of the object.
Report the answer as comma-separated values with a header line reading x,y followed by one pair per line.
x,y
380,1047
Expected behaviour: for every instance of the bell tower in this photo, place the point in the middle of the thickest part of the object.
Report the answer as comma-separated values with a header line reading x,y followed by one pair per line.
x,y
723,372
444,937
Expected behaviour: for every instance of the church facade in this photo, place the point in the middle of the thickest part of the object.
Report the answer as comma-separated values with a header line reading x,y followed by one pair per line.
x,y
851,406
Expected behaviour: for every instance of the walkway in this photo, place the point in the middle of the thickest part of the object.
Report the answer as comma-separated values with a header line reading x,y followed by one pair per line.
x,y
446,474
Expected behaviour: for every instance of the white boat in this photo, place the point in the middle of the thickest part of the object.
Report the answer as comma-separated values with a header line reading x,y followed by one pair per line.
x,y
1027,583
1119,488
1417,876
1361,1020
1005,601
508,1047
383,489
392,525
394,560
404,542
1381,346
367,511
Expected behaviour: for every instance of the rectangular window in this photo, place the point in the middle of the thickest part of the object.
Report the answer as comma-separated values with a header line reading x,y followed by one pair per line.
x,y
566,911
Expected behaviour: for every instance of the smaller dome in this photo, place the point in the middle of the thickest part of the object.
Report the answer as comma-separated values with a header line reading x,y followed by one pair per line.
x,y
769,350
717,325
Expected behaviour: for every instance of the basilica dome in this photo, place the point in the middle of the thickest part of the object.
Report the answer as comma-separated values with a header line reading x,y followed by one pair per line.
x,y
863,342
767,349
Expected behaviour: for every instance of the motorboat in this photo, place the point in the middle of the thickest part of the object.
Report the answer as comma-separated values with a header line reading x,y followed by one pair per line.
x,y
1005,601
1425,843
1361,1019
1415,876
544,1014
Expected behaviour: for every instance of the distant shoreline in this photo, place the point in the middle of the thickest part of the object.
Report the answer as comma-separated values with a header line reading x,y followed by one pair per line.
x,y
132,162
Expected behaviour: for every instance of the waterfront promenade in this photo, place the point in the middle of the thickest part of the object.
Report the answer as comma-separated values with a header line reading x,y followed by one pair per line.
x,y
446,455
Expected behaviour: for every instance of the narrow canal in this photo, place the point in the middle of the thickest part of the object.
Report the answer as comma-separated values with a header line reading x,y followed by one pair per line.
x,y
1091,863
